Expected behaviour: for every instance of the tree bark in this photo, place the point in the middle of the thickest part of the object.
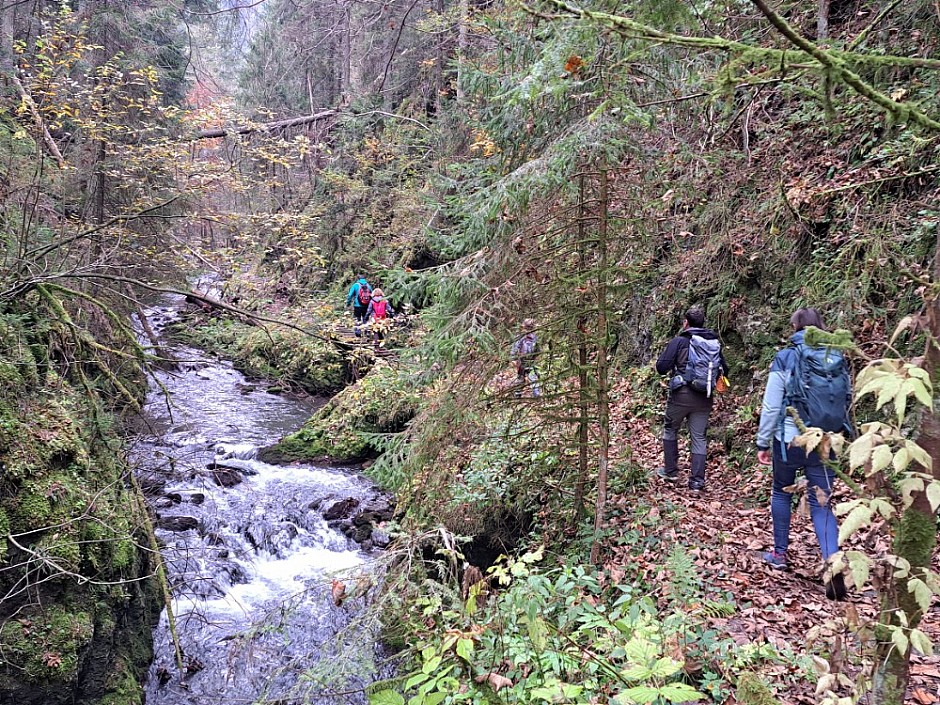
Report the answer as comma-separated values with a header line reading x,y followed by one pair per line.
x,y
264,127
603,402
822,20
46,138
583,381
463,17
345,56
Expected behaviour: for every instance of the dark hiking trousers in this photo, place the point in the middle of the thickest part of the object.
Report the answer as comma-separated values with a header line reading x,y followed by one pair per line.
x,y
684,404
359,312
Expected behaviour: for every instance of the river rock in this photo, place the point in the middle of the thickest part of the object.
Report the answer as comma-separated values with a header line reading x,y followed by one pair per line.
x,y
362,533
341,509
382,508
364,518
226,477
150,482
380,539
163,503
177,523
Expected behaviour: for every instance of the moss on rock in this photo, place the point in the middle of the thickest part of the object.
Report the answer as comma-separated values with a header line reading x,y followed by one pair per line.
x,y
289,357
47,644
382,402
753,691
63,496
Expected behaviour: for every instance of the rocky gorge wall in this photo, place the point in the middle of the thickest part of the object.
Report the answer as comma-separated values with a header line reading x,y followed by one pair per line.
x,y
77,595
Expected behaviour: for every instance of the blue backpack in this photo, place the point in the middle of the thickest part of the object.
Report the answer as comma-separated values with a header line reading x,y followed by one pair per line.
x,y
704,365
820,388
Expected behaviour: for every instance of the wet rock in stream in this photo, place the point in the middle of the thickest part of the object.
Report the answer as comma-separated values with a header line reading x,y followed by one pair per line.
x,y
225,477
177,523
341,509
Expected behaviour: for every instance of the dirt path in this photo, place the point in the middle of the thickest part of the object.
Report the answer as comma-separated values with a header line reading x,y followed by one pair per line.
x,y
727,527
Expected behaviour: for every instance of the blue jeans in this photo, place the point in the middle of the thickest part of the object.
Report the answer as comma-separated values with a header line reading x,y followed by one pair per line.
x,y
781,503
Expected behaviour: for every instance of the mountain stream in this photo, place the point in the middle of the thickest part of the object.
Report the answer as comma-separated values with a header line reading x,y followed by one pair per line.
x,y
250,558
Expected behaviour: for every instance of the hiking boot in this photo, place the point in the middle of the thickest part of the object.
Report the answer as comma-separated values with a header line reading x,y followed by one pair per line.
x,y
662,474
835,588
696,485
777,561
697,473
670,458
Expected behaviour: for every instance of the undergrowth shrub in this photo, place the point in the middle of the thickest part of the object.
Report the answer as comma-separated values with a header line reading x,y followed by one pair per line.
x,y
534,633
287,357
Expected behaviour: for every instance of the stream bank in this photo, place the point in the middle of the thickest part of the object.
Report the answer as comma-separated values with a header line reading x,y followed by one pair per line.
x,y
77,597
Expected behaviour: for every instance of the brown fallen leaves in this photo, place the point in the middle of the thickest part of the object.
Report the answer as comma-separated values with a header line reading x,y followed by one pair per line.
x,y
727,528
495,680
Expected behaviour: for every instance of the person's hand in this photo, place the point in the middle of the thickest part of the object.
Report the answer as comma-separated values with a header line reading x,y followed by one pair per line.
x,y
764,457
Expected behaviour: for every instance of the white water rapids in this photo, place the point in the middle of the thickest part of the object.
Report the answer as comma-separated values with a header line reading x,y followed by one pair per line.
x,y
250,565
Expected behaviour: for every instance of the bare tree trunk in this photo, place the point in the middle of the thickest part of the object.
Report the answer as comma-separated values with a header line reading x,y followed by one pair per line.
x,y
603,402
916,535
44,135
463,17
822,20
439,67
265,127
7,25
345,57
101,153
583,381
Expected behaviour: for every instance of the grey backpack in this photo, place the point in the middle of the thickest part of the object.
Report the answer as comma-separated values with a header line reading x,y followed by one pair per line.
x,y
704,366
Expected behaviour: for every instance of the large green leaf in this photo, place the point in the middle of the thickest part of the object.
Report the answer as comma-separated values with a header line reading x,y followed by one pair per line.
x,y
679,693
386,697
638,695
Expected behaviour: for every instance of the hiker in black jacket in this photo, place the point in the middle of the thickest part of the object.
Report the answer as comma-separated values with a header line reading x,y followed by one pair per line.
x,y
690,395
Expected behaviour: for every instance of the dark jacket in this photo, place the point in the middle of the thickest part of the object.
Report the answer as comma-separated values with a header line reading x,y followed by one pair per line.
x,y
675,357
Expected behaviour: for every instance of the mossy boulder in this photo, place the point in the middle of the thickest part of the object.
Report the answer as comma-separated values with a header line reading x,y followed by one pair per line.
x,y
345,428
47,644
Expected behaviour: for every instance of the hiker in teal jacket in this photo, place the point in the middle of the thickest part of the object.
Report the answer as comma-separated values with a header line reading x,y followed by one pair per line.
x,y
360,295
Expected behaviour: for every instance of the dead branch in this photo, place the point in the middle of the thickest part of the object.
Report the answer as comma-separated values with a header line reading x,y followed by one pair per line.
x,y
264,127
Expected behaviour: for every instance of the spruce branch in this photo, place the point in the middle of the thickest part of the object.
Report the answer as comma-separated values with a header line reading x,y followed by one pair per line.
x,y
831,61
836,67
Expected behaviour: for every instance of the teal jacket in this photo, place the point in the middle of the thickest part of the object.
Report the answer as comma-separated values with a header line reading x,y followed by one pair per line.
x,y
353,296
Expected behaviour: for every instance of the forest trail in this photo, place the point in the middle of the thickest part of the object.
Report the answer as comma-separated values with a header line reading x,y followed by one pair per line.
x,y
728,526
353,337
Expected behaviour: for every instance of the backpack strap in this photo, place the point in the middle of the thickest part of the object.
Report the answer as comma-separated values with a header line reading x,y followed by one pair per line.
x,y
793,361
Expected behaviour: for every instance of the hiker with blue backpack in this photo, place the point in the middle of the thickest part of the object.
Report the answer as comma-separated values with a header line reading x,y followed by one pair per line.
x,y
360,296
815,382
695,364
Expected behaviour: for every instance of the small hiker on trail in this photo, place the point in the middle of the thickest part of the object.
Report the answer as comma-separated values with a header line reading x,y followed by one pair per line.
x,y
378,315
524,352
694,362
360,295
815,381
